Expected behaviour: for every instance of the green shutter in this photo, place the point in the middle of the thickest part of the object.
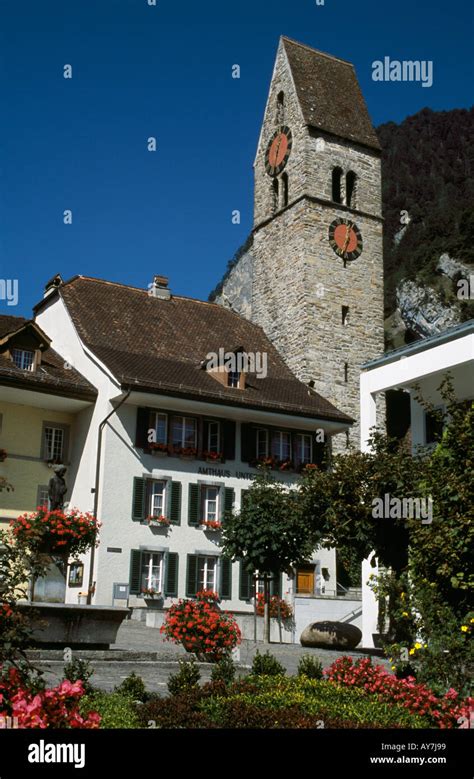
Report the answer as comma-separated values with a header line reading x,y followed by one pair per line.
x,y
225,591
191,576
245,583
228,436
139,499
171,585
193,505
175,503
135,558
276,587
143,425
228,501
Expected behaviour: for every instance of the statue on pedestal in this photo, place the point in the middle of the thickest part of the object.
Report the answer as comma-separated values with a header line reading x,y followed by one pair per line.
x,y
57,489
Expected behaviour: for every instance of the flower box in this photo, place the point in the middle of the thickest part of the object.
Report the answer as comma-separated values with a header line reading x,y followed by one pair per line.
x,y
158,521
212,526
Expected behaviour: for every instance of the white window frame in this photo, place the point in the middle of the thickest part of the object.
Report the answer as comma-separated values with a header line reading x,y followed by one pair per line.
x,y
277,435
209,437
233,379
264,433
183,421
210,570
50,449
207,502
156,415
158,586
164,494
301,447
30,366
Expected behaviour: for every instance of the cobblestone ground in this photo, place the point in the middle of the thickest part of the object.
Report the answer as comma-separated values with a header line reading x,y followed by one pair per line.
x,y
142,650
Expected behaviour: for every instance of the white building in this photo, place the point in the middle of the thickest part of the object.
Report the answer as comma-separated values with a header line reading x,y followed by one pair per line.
x,y
424,363
147,353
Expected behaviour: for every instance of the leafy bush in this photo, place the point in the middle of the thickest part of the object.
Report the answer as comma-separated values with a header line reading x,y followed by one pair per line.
x,y
79,670
275,702
201,627
310,667
266,665
186,679
115,710
224,670
132,686
441,712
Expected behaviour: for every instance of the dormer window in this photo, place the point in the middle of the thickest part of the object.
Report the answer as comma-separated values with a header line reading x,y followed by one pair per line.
x,y
233,379
23,359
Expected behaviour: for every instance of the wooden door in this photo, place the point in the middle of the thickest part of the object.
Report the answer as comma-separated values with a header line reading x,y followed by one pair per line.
x,y
305,580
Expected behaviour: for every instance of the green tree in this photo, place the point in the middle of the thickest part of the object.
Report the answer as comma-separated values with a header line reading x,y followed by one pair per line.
x,y
269,534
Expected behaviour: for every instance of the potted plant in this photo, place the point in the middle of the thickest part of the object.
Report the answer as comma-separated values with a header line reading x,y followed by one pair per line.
x,y
212,457
158,521
160,450
56,532
188,453
211,524
285,465
149,593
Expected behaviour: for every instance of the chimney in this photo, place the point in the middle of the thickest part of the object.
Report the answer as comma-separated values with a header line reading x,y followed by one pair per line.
x,y
159,288
52,284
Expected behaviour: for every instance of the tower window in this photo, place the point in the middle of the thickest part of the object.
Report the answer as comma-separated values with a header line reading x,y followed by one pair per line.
x,y
284,194
346,371
351,179
275,195
280,112
345,315
336,185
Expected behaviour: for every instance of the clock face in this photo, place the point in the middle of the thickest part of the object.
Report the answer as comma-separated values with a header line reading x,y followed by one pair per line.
x,y
278,151
345,239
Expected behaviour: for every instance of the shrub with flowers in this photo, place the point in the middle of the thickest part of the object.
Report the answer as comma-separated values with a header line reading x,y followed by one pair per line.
x,y
443,712
201,627
42,708
279,608
56,530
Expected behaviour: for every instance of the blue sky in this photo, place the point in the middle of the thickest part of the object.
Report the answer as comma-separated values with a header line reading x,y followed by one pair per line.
x,y
165,71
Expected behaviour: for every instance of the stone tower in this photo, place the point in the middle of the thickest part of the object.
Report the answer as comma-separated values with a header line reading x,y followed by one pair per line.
x,y
315,283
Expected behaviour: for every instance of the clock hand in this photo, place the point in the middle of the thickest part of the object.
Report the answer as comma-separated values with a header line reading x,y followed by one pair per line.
x,y
348,237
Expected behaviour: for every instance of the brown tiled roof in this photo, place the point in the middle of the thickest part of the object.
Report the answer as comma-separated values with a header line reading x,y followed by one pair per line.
x,y
51,375
159,345
329,94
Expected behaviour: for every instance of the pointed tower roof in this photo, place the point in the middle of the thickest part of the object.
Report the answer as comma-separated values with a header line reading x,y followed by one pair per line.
x,y
329,94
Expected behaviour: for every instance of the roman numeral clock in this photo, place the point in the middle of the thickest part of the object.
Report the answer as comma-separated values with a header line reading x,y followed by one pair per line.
x,y
278,151
345,239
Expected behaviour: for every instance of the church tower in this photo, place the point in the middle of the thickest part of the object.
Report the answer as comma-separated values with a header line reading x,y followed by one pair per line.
x,y
314,269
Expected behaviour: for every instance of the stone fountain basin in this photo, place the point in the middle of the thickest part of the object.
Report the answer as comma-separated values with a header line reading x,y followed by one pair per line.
x,y
74,625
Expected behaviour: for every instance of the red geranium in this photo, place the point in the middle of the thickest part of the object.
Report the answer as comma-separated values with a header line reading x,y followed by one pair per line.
x,y
72,531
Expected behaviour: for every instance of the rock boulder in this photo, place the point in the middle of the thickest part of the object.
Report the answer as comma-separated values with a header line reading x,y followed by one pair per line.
x,y
332,635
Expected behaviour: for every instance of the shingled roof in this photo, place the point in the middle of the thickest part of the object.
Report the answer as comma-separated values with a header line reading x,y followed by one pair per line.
x,y
329,94
51,376
159,346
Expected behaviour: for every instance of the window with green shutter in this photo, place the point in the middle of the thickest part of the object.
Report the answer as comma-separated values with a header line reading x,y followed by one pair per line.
x,y
194,505
139,508
175,503
228,501
192,576
135,571
225,589
172,567
245,583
